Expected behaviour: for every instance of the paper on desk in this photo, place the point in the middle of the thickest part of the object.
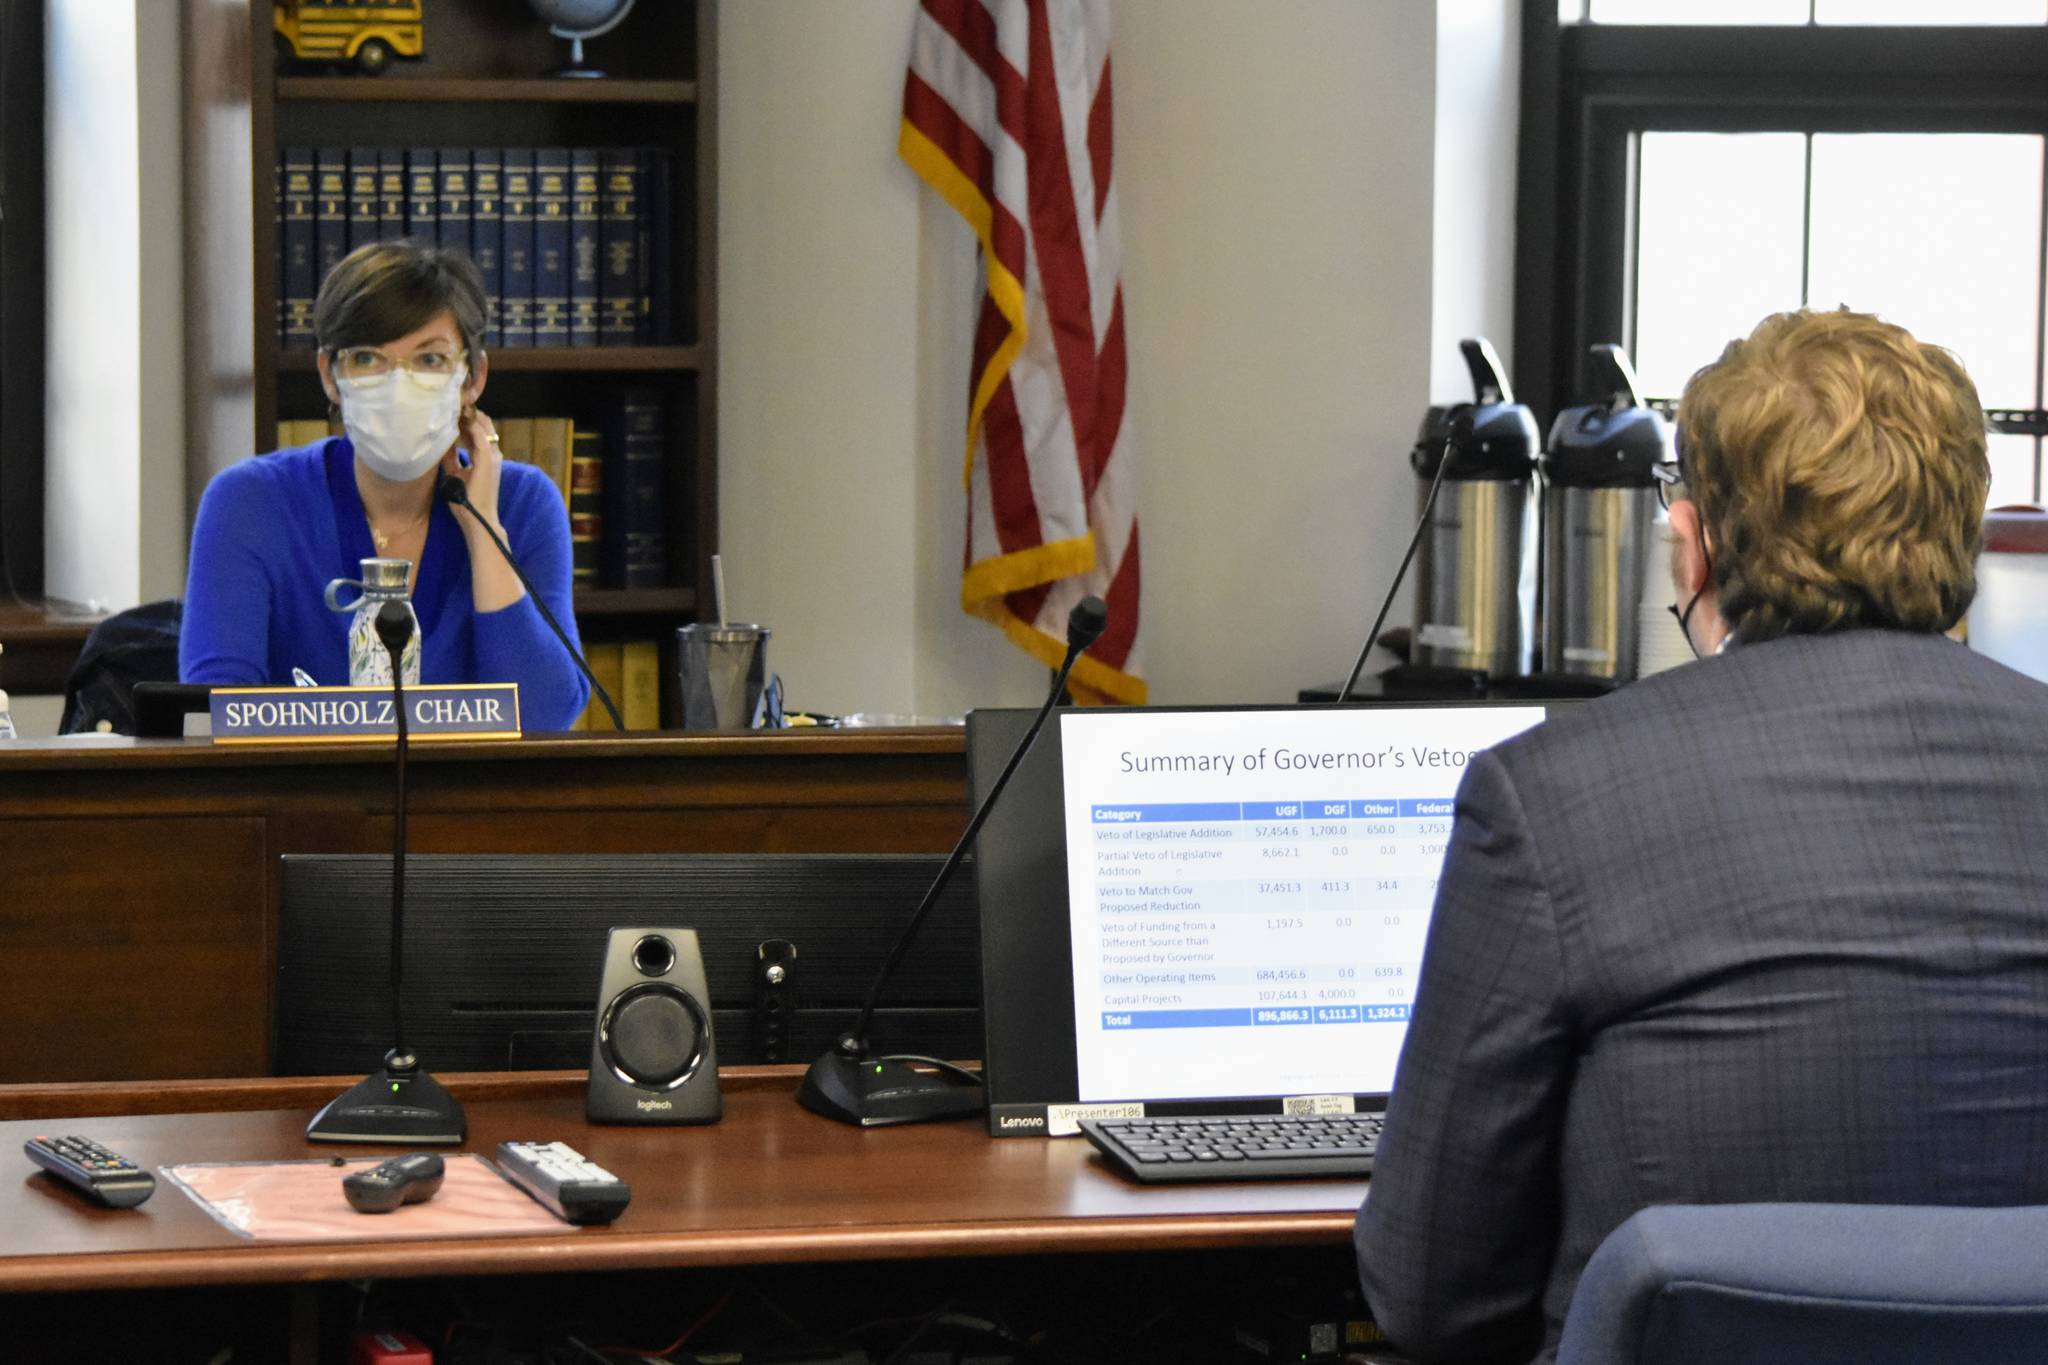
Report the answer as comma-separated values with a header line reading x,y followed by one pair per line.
x,y
301,1201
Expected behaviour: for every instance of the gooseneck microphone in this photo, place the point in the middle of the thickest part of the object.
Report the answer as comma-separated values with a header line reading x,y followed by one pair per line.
x,y
455,492
394,628
852,1085
400,1102
1421,528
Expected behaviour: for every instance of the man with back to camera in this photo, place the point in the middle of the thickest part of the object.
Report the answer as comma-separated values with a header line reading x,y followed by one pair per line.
x,y
1772,926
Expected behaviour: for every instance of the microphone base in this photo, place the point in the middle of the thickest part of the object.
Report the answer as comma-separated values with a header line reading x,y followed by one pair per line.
x,y
875,1091
392,1105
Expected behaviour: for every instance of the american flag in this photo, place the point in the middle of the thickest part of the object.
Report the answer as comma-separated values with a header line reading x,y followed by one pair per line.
x,y
1006,114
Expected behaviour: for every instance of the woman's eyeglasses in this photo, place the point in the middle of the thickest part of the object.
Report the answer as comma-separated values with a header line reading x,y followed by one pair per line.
x,y
432,368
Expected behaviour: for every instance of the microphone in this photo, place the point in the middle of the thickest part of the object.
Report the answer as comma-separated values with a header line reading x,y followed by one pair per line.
x,y
455,492
1421,526
399,1102
394,628
852,1085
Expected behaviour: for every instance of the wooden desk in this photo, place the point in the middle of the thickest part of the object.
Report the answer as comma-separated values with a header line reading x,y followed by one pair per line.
x,y
770,1184
138,908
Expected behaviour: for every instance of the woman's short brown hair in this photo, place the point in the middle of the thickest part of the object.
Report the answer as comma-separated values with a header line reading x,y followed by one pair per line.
x,y
383,290
1839,468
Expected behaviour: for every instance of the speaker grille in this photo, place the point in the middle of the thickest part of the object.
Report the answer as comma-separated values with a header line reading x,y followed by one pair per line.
x,y
653,1034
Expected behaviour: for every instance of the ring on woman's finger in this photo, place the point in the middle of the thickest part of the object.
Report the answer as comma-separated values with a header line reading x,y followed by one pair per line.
x,y
492,438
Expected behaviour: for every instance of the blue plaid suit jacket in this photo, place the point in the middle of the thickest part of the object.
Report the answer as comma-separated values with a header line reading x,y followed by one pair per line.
x,y
1770,927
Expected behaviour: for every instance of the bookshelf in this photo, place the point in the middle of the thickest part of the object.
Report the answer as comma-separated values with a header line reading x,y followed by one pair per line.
x,y
481,83
457,90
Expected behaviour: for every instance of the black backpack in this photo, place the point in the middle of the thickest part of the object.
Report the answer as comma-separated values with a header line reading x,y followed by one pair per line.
x,y
137,645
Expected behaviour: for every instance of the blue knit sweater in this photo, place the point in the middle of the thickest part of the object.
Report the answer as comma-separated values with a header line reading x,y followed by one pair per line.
x,y
273,530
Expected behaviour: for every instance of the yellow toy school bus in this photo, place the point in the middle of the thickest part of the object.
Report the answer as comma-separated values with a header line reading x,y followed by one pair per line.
x,y
348,31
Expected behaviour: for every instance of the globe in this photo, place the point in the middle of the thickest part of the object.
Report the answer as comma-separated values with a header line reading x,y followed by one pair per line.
x,y
577,20
583,18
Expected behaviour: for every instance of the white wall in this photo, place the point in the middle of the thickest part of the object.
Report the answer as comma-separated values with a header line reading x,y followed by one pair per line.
x,y
1478,114
115,393
1275,172
846,302
818,319
1275,169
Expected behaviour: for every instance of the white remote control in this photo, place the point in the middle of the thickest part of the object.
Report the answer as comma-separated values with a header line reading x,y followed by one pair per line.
x,y
570,1185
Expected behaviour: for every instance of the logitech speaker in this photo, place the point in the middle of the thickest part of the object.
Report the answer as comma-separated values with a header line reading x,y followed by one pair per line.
x,y
652,1058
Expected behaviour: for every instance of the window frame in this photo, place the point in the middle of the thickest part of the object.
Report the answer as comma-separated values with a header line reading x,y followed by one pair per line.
x,y
1588,89
22,254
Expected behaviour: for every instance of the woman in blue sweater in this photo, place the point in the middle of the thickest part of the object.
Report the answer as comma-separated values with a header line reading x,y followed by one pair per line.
x,y
399,332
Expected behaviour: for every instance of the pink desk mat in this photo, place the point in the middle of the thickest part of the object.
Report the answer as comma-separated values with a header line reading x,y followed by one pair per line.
x,y
301,1201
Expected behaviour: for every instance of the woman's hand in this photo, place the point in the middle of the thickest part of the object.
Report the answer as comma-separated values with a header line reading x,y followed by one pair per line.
x,y
491,580
479,436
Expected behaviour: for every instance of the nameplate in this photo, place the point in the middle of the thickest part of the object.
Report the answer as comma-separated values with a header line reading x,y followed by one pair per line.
x,y
356,715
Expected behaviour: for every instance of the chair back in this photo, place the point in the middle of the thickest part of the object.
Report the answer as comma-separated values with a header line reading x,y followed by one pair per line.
x,y
1814,1284
137,645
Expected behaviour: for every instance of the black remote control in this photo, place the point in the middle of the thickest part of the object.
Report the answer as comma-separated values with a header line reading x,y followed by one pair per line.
x,y
570,1185
100,1175
410,1179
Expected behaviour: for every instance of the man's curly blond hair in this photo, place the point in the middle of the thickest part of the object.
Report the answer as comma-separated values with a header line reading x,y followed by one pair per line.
x,y
1839,468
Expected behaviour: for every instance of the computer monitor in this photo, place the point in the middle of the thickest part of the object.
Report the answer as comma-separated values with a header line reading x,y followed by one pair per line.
x,y
503,953
1211,910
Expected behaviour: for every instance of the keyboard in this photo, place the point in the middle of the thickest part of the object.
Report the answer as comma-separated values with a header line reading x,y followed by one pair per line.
x,y
1159,1151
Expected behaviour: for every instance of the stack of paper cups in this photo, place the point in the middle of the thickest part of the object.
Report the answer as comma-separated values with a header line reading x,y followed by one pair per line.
x,y
2009,619
1660,644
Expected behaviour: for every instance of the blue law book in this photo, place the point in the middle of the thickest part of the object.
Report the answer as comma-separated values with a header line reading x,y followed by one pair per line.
x,y
422,194
296,247
487,233
584,198
390,193
277,236
661,267
551,246
633,549
362,196
619,279
452,229
330,211
515,253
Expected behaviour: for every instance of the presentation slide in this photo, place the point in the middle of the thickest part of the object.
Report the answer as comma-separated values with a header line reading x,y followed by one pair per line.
x,y
1249,891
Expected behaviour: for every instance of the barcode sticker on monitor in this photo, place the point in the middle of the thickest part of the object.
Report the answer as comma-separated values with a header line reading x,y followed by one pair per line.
x,y
1318,1104
1064,1120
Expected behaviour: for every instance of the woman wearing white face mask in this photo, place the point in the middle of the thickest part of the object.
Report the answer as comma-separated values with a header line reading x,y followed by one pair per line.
x,y
399,330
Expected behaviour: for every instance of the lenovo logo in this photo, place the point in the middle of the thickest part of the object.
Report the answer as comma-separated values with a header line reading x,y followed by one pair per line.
x,y
1020,1121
